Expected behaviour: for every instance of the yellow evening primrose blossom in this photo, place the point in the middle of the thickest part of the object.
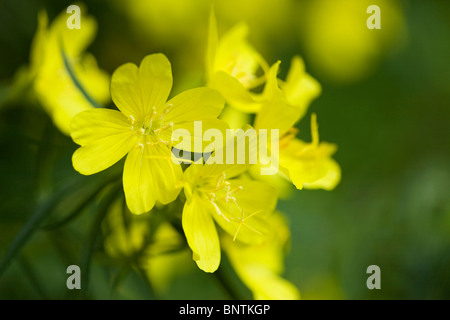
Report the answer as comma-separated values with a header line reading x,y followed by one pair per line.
x,y
232,67
286,102
65,79
239,206
299,88
307,165
142,129
260,266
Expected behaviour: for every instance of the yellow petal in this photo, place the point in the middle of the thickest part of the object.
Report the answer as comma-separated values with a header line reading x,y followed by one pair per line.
x,y
93,80
330,180
234,92
54,86
233,44
201,234
237,57
155,81
137,92
246,218
272,88
74,41
195,172
105,138
300,88
269,286
279,181
191,133
310,164
37,53
310,169
259,266
125,91
230,169
193,105
255,195
276,111
150,175
95,124
234,117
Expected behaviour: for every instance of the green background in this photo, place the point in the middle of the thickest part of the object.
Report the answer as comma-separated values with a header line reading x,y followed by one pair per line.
x,y
391,209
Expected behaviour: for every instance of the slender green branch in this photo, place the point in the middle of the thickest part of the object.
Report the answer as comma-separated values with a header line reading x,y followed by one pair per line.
x,y
83,204
94,235
223,280
32,224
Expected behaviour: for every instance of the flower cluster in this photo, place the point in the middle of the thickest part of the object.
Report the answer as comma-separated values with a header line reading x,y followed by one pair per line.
x,y
222,207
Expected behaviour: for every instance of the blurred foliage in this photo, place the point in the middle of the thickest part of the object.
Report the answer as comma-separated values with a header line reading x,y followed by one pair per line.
x,y
386,106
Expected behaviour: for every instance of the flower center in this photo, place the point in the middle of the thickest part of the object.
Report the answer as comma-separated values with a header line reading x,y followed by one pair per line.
x,y
216,189
153,129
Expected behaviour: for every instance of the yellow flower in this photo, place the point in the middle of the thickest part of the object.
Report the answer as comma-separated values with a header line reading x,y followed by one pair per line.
x,y
232,67
142,129
300,88
286,102
238,206
309,165
260,266
66,81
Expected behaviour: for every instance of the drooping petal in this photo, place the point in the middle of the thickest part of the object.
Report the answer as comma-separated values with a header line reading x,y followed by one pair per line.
x,y
149,176
309,163
138,92
201,234
194,105
330,180
301,172
105,137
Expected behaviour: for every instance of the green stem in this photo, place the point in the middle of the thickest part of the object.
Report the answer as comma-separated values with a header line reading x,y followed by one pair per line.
x,y
94,235
29,272
222,278
83,204
33,223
